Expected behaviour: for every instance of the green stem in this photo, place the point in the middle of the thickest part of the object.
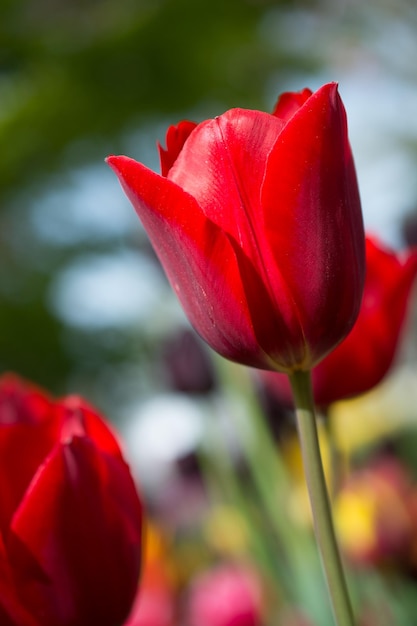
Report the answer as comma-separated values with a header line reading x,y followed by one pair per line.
x,y
319,499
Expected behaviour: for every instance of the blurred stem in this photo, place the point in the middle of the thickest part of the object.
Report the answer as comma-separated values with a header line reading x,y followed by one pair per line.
x,y
337,459
319,499
266,466
271,482
224,486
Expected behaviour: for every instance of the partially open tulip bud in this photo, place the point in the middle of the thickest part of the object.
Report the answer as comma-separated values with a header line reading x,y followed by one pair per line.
x,y
70,516
363,359
257,222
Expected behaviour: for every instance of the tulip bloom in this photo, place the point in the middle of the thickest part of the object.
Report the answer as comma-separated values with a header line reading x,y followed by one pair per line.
x,y
70,516
363,359
257,222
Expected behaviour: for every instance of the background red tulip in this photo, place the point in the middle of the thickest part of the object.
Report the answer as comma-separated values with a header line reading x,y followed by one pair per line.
x,y
363,359
70,518
257,222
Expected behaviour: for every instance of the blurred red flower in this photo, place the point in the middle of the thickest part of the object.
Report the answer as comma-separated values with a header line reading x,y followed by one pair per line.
x,y
257,222
70,516
363,359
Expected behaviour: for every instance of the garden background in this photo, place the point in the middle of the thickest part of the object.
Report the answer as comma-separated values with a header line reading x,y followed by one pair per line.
x,y
84,305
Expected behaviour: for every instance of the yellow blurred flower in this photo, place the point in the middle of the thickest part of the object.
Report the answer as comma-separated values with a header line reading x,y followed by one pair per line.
x,y
226,531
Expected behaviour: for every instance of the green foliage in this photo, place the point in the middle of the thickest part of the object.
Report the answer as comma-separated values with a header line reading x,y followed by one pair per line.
x,y
75,79
76,71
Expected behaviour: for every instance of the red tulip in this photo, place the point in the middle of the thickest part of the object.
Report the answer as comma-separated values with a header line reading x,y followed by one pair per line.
x,y
363,359
257,221
70,516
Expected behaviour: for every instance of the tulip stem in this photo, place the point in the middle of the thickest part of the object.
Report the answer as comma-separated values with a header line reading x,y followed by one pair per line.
x,y
319,499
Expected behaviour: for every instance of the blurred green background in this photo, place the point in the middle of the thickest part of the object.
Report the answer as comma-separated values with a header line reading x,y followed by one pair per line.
x,y
83,305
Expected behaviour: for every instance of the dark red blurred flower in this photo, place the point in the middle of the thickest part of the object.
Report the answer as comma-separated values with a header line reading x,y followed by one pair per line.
x,y
70,516
225,596
187,363
257,221
363,359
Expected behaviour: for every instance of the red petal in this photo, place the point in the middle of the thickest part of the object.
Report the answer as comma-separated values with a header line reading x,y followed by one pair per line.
x,y
76,539
276,327
21,401
198,258
364,358
175,139
222,165
289,102
12,613
78,418
27,434
312,216
227,184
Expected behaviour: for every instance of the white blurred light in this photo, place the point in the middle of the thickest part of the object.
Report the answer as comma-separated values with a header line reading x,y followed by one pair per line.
x,y
160,431
377,85
90,207
98,291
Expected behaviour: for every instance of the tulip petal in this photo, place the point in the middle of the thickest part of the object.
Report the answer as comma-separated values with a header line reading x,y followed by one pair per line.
x,y
316,238
77,418
199,259
75,540
289,103
363,359
222,165
26,423
12,613
175,139
227,185
280,337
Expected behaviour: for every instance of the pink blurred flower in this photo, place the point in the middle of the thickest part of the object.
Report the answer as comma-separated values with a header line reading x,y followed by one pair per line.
x,y
225,596
154,604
